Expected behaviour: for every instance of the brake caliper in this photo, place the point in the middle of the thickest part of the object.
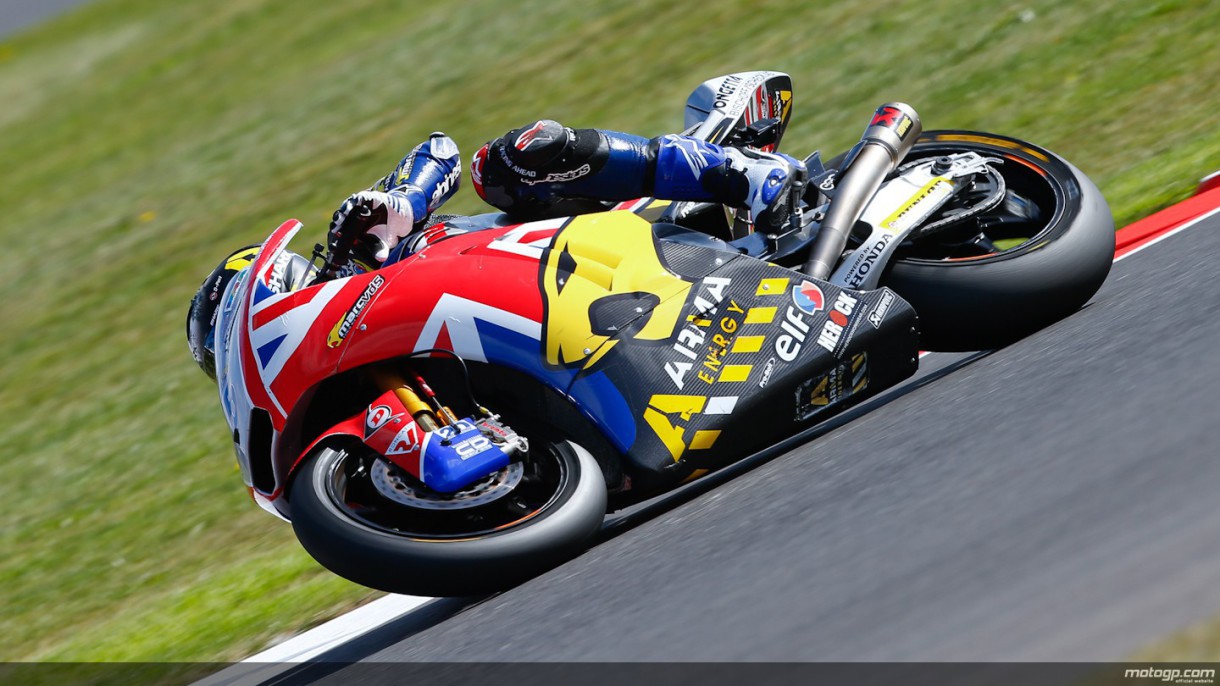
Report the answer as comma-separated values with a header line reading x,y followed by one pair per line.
x,y
446,457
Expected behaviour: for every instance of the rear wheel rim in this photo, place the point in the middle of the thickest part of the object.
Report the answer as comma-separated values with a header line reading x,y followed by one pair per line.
x,y
996,233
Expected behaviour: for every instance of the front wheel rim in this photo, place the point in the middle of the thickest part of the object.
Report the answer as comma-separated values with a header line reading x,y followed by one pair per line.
x,y
348,488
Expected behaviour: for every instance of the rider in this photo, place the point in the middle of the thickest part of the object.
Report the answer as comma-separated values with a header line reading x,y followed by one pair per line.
x,y
541,170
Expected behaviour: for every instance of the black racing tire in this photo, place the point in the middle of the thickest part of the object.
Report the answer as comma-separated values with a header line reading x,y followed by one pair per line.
x,y
453,564
981,302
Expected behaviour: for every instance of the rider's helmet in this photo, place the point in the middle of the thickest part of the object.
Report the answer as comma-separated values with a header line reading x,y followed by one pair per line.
x,y
201,317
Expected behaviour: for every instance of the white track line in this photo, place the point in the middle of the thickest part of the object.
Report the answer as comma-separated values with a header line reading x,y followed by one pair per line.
x,y
340,630
1172,232
279,658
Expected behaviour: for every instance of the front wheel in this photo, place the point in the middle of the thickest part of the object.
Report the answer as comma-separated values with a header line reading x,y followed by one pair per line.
x,y
1036,257
366,520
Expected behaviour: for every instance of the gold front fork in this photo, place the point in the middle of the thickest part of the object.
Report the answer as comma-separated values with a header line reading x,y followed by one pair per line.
x,y
389,380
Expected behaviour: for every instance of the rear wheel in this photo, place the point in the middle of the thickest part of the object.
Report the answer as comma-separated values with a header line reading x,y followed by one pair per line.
x,y
363,518
1034,258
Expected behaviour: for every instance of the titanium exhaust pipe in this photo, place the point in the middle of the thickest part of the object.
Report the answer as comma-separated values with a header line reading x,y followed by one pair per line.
x,y
886,141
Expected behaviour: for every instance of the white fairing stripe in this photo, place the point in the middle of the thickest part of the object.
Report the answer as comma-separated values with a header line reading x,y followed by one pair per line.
x,y
459,315
294,324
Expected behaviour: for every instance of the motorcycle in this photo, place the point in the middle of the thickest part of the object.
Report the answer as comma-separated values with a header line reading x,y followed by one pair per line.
x,y
586,363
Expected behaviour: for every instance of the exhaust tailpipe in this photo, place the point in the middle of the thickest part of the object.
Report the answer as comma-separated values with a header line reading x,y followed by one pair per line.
x,y
886,141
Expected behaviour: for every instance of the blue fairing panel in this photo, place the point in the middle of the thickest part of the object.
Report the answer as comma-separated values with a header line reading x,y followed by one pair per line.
x,y
594,395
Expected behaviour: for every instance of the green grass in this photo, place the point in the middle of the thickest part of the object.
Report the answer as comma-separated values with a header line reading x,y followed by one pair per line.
x,y
141,140
1199,642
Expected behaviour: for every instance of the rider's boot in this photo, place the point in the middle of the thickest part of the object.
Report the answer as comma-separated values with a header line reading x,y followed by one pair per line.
x,y
691,169
428,175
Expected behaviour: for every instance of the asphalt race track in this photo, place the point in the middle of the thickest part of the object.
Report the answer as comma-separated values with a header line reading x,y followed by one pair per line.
x,y
1053,500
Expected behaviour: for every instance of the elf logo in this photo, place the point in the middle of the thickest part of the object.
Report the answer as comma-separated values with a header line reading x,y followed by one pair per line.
x,y
796,329
808,297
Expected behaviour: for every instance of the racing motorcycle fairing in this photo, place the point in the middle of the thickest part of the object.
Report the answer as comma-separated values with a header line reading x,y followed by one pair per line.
x,y
252,342
475,294
682,355
725,353
272,347
667,345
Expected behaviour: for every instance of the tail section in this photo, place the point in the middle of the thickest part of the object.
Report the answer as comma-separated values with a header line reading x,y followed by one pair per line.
x,y
729,103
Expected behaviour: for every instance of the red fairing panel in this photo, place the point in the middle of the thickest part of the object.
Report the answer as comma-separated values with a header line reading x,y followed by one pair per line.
x,y
436,297
385,426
